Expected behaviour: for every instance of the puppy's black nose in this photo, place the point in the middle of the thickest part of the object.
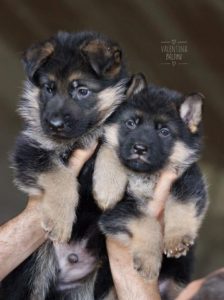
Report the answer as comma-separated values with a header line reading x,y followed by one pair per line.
x,y
73,258
140,149
56,123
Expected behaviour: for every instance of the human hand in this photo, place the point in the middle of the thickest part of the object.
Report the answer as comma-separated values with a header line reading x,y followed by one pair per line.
x,y
161,193
80,156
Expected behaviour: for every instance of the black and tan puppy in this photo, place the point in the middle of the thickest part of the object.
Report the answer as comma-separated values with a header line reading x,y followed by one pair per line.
x,y
74,83
154,129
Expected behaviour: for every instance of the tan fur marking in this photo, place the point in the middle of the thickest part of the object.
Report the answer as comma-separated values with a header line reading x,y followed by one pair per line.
x,y
114,71
30,112
59,202
193,128
109,179
111,135
109,99
142,186
146,246
39,54
181,226
193,106
51,77
75,76
181,157
138,83
47,49
162,118
98,46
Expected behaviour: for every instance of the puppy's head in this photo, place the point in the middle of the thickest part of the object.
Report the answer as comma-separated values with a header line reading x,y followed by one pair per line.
x,y
156,127
74,83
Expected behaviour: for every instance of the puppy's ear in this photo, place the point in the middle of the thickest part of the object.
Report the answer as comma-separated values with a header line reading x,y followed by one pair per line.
x,y
104,57
136,84
35,56
191,111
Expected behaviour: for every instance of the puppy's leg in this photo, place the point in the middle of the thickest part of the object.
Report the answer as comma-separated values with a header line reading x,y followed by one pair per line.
x,y
59,202
146,246
141,233
109,179
182,223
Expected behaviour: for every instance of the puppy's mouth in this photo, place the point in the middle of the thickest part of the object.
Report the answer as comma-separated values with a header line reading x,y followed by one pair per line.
x,y
137,162
59,135
62,135
138,159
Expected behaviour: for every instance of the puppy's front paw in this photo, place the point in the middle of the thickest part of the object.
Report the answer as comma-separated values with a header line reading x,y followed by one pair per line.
x,y
107,196
109,188
146,264
109,179
177,245
58,225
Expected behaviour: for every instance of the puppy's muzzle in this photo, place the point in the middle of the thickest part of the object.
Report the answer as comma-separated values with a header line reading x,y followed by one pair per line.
x,y
139,149
56,123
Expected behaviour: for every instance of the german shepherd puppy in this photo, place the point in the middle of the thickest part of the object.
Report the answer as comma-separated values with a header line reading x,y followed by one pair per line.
x,y
154,129
74,83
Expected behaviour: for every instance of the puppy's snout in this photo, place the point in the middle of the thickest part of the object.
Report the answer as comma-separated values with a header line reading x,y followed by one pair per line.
x,y
73,258
56,123
140,149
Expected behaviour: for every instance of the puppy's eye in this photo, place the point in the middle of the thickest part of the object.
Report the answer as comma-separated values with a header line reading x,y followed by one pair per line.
x,y
49,88
83,92
130,124
164,132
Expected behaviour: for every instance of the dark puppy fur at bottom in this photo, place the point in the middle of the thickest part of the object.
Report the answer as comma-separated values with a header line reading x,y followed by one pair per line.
x,y
154,129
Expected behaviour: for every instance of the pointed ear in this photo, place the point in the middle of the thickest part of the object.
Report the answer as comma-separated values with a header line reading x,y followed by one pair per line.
x,y
105,57
137,84
191,111
35,56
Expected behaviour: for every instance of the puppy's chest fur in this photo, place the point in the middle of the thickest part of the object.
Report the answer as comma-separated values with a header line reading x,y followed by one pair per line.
x,y
63,151
142,186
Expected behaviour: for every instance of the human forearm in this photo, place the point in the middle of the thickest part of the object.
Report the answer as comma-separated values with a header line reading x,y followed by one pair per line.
x,y
20,237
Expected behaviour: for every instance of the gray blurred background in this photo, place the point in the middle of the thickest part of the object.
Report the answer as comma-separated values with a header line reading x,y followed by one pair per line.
x,y
195,29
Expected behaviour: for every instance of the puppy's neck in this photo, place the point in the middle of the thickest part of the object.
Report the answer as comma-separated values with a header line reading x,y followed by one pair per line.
x,y
142,185
60,146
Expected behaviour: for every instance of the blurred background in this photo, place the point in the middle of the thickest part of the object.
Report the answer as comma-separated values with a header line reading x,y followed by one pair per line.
x,y
178,44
